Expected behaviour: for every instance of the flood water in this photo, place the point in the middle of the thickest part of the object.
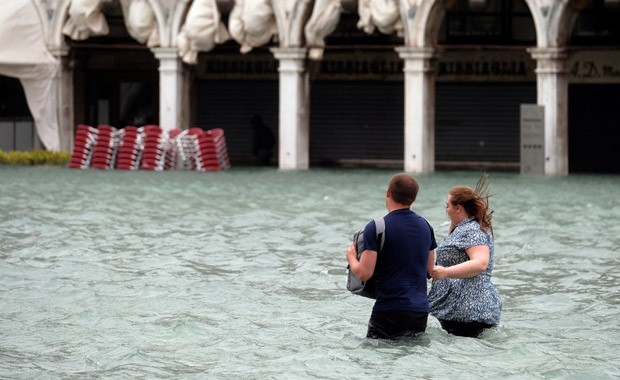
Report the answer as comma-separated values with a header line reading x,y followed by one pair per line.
x,y
241,274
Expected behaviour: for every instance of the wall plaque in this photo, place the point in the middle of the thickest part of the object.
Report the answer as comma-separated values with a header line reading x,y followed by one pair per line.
x,y
532,139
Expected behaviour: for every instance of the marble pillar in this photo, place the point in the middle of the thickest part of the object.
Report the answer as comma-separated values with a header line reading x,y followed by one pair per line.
x,y
294,109
63,101
419,109
172,113
552,93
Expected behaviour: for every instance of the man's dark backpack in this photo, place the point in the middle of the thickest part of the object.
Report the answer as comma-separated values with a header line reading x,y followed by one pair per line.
x,y
354,284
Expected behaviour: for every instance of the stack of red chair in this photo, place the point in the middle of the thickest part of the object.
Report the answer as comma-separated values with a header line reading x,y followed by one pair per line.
x,y
149,148
155,143
104,151
183,155
130,151
212,153
190,148
85,138
172,154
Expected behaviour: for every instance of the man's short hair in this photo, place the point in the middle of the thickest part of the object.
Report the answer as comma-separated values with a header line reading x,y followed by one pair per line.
x,y
404,188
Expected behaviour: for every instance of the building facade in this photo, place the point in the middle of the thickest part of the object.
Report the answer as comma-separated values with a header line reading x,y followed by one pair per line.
x,y
415,84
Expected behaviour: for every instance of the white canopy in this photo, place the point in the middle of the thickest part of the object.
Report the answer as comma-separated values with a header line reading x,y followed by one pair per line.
x,y
23,55
252,23
324,20
85,19
141,22
203,29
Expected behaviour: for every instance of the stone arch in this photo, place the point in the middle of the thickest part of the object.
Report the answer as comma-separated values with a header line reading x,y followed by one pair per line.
x,y
56,39
562,16
56,36
407,16
291,24
428,18
538,15
279,12
161,15
424,30
177,18
43,19
169,20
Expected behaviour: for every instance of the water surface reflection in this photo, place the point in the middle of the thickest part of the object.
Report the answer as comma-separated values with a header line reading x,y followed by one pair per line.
x,y
241,274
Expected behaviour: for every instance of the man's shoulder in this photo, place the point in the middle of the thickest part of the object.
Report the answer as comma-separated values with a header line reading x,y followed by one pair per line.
x,y
405,216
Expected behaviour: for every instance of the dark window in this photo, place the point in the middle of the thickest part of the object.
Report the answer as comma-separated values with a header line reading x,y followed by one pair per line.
x,y
597,24
12,99
347,33
491,22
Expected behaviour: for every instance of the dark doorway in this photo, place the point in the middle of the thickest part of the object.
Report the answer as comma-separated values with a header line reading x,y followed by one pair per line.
x,y
593,126
115,86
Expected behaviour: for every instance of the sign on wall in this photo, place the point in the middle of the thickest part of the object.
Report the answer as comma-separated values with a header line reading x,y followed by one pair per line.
x,y
532,139
594,67
450,66
489,66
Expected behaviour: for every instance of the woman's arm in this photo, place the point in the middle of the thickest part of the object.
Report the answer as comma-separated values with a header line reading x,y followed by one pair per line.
x,y
478,261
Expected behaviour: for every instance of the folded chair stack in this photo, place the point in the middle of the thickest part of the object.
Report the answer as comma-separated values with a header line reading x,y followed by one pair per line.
x,y
149,148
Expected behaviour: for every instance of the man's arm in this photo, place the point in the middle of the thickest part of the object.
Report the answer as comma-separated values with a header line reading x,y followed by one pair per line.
x,y
430,265
365,266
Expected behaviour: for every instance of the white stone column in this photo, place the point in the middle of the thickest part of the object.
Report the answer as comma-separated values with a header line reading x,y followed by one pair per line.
x,y
64,99
171,111
552,93
294,125
419,109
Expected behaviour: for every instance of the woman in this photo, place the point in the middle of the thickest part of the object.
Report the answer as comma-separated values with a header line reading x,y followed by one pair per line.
x,y
462,296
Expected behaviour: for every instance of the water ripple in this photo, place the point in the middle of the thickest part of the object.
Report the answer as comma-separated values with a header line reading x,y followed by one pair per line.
x,y
242,274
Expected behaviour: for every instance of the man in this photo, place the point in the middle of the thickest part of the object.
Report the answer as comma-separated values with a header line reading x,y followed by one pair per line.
x,y
263,140
401,268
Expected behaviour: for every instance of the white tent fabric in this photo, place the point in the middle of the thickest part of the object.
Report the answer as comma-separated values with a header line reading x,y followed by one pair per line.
x,y
252,23
202,30
141,22
23,55
324,20
85,19
381,14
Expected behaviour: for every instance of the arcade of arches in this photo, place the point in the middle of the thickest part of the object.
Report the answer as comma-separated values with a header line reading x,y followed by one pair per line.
x,y
343,82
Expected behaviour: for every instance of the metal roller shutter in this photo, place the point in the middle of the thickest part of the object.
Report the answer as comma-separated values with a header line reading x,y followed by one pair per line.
x,y
479,122
230,104
593,125
356,121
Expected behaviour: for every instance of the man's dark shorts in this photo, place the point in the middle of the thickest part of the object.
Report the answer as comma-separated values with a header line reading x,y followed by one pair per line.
x,y
396,324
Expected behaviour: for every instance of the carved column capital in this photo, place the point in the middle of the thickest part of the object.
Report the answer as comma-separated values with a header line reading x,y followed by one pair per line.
x,y
418,59
166,52
292,53
550,60
291,59
406,52
169,61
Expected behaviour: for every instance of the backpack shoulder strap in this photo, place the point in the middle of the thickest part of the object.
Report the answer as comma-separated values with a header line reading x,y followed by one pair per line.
x,y
380,228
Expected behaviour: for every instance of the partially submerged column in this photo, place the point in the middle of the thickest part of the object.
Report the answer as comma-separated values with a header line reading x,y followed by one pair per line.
x,y
552,93
64,99
171,111
419,109
294,126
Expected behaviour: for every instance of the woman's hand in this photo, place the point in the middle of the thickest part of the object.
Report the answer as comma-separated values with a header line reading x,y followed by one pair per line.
x,y
439,273
477,263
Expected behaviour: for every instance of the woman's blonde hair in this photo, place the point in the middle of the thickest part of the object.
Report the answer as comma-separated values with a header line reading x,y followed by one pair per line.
x,y
475,201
